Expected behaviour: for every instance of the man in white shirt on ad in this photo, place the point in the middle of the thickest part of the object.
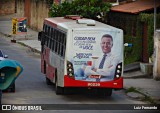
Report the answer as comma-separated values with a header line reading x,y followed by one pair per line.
x,y
105,65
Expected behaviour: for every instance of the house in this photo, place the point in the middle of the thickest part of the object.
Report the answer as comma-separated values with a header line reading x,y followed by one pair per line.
x,y
126,17
35,11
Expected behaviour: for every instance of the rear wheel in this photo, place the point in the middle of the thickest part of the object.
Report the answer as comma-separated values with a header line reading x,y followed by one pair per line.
x,y
48,82
58,89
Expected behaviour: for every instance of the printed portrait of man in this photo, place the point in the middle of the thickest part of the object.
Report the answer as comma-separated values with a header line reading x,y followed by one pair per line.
x,y
105,64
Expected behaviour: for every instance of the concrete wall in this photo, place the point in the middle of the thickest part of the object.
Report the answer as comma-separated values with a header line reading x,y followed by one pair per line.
x,y
34,10
39,11
7,7
20,8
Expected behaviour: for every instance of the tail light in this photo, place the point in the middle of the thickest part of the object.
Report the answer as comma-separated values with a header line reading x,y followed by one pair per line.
x,y
118,71
70,70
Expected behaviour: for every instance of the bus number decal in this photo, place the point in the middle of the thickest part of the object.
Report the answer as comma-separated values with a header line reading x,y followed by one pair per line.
x,y
94,84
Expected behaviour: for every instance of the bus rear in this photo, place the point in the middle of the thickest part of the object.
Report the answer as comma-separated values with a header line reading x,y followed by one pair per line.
x,y
94,59
82,55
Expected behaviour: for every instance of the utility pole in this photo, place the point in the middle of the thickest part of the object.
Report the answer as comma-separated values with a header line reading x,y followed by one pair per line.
x,y
156,63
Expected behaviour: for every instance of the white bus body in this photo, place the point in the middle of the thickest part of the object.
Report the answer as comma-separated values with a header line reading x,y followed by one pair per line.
x,y
73,50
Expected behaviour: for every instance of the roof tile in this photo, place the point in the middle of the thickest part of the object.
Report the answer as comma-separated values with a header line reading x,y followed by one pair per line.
x,y
136,7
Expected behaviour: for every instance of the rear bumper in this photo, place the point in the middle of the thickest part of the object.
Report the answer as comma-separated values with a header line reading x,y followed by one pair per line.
x,y
115,84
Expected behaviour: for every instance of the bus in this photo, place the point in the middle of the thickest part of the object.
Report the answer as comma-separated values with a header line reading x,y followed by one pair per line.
x,y
78,52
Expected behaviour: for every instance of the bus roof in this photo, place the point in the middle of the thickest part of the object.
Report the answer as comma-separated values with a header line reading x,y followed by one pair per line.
x,y
66,24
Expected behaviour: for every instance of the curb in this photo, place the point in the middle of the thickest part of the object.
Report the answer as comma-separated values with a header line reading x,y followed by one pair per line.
x,y
140,95
138,76
131,96
32,49
7,35
132,67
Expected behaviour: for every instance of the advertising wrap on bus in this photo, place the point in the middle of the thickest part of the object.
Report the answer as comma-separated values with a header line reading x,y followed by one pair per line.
x,y
76,54
96,54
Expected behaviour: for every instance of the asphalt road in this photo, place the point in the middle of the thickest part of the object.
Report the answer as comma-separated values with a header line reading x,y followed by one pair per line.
x,y
5,26
32,89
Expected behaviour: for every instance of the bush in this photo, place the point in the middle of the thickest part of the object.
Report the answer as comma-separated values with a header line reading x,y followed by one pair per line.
x,y
85,8
148,18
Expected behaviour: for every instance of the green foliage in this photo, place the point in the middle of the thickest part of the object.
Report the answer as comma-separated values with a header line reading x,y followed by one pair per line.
x,y
85,8
149,19
131,89
132,26
132,54
132,34
49,2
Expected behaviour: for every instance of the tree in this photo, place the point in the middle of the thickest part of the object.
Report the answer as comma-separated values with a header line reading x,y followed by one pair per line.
x,y
94,9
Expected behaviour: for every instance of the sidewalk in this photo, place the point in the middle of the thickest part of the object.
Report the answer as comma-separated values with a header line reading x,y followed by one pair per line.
x,y
148,87
30,39
134,78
